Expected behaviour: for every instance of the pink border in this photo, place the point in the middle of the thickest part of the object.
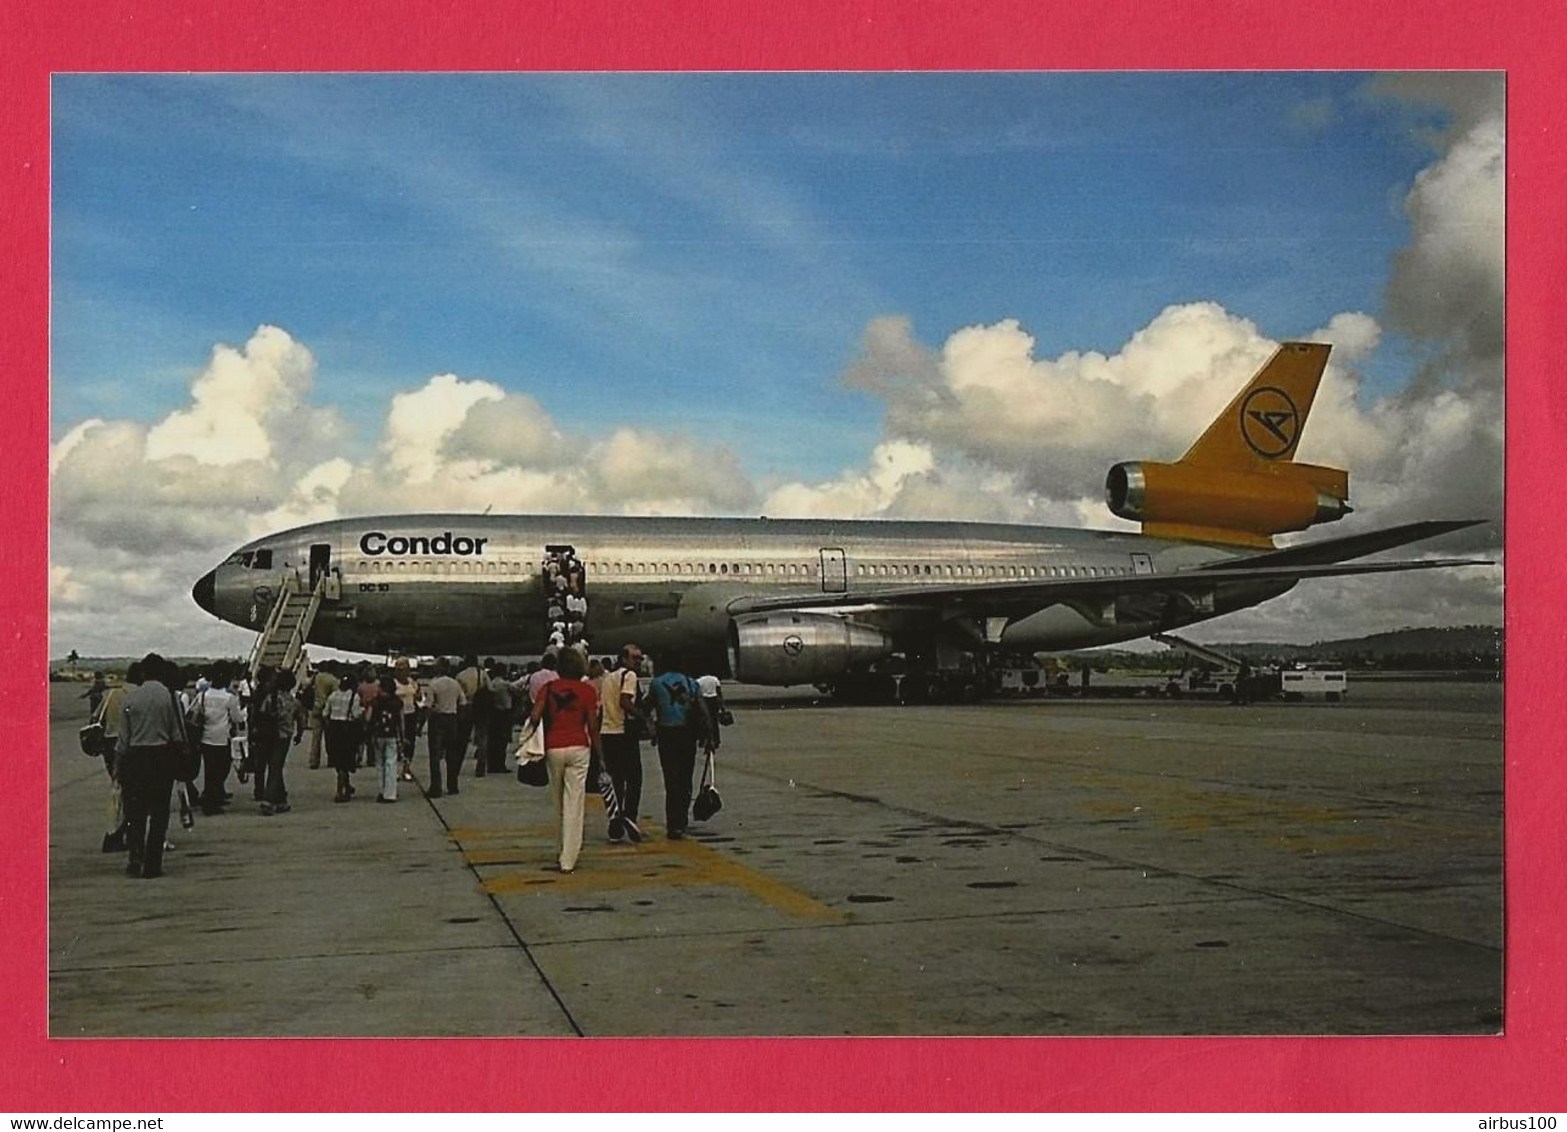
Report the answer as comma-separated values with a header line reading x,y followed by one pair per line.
x,y
1521,1072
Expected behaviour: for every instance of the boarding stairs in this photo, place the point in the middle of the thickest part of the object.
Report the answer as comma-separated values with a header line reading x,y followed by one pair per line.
x,y
281,643
1202,652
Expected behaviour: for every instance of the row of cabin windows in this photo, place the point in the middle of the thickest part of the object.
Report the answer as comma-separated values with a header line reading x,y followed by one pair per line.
x,y
747,569
900,570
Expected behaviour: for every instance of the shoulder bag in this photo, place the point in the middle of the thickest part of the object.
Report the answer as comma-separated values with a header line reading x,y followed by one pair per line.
x,y
94,741
707,802
187,751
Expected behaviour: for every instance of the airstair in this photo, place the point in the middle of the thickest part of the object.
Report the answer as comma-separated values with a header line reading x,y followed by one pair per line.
x,y
1202,652
565,598
281,643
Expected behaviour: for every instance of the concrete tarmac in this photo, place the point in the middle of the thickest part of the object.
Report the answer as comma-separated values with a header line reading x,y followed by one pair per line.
x,y
1017,867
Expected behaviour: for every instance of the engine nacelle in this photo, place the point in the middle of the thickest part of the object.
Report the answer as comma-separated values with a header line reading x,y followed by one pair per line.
x,y
1230,506
800,648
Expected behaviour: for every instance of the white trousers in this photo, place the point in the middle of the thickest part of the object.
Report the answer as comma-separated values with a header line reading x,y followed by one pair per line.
x,y
568,794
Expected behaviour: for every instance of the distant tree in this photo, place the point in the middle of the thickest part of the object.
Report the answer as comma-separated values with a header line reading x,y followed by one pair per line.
x,y
71,660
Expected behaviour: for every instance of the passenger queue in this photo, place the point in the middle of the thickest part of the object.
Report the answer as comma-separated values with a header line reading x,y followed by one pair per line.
x,y
167,745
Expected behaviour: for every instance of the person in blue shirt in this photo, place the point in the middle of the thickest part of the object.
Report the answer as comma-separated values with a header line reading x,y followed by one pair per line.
x,y
682,722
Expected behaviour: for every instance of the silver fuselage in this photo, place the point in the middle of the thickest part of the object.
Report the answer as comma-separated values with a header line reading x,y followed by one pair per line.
x,y
458,583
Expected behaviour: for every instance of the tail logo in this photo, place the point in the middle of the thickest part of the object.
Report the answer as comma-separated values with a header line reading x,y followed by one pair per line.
x,y
1269,422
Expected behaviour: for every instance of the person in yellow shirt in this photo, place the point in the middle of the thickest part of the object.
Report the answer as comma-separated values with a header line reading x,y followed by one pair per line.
x,y
324,684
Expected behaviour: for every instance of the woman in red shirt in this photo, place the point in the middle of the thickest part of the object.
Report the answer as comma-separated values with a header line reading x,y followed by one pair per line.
x,y
569,707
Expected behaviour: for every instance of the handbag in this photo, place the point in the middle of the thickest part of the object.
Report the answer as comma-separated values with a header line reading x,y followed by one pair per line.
x,y
725,717
94,742
533,772
707,801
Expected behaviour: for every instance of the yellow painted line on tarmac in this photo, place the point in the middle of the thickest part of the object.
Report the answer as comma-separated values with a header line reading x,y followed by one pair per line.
x,y
655,863
1186,809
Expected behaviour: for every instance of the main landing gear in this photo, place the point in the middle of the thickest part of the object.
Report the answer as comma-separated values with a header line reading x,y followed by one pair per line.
x,y
907,688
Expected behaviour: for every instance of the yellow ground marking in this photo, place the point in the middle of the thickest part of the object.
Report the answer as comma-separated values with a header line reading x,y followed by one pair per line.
x,y
1181,808
654,863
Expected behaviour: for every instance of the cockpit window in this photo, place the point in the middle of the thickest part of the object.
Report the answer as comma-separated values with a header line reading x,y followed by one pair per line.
x,y
251,559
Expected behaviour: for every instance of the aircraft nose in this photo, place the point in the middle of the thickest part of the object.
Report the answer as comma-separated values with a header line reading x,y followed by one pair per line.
x,y
205,591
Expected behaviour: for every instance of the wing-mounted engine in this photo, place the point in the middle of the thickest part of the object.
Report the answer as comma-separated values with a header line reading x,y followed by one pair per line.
x,y
1239,483
800,648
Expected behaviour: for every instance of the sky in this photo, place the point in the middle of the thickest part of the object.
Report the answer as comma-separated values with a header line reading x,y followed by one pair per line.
x,y
283,298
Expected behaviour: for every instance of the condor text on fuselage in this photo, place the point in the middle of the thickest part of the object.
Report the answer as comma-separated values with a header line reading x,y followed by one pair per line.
x,y
374,543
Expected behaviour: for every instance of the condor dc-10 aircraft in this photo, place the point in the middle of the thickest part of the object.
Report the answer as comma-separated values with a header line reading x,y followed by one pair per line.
x,y
841,603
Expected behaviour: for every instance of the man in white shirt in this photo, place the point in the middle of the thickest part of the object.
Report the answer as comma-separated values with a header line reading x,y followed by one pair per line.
x,y
621,740
217,711
446,696
713,698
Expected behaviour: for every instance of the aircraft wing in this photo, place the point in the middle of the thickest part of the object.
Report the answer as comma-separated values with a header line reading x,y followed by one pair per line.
x,y
1037,594
1348,546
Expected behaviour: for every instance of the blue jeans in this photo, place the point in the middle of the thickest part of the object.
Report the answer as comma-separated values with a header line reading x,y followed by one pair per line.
x,y
386,755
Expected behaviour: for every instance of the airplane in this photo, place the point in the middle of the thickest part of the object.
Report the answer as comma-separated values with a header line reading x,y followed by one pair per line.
x,y
842,604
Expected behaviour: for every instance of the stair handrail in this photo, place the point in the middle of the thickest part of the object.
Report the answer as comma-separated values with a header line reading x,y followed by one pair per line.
x,y
1203,652
295,650
289,586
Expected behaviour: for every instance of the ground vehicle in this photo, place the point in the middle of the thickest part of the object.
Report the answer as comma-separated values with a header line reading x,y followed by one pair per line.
x,y
1329,683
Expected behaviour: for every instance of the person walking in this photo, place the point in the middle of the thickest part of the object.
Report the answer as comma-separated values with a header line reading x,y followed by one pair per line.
x,y
273,733
469,678
446,699
407,690
216,711
682,722
620,729
147,751
111,716
500,720
386,722
94,695
344,719
568,710
322,685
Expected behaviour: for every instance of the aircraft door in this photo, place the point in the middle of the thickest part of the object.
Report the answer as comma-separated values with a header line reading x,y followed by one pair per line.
x,y
835,571
1142,564
320,562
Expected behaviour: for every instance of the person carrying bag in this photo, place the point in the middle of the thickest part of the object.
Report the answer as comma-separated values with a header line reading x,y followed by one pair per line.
x,y
571,738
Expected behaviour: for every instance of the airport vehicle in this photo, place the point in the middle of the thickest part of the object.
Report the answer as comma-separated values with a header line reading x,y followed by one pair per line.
x,y
1330,683
836,603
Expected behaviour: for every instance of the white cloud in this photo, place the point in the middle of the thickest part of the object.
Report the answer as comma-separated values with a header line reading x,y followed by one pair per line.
x,y
854,494
235,402
421,422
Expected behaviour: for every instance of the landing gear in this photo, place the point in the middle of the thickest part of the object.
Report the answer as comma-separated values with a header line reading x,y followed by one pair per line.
x,y
909,688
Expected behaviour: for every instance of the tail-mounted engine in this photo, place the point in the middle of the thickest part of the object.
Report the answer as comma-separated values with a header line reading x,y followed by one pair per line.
x,y
1239,483
800,648
1185,501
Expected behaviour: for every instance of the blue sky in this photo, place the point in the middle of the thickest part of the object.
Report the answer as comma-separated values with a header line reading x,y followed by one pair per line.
x,y
709,247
